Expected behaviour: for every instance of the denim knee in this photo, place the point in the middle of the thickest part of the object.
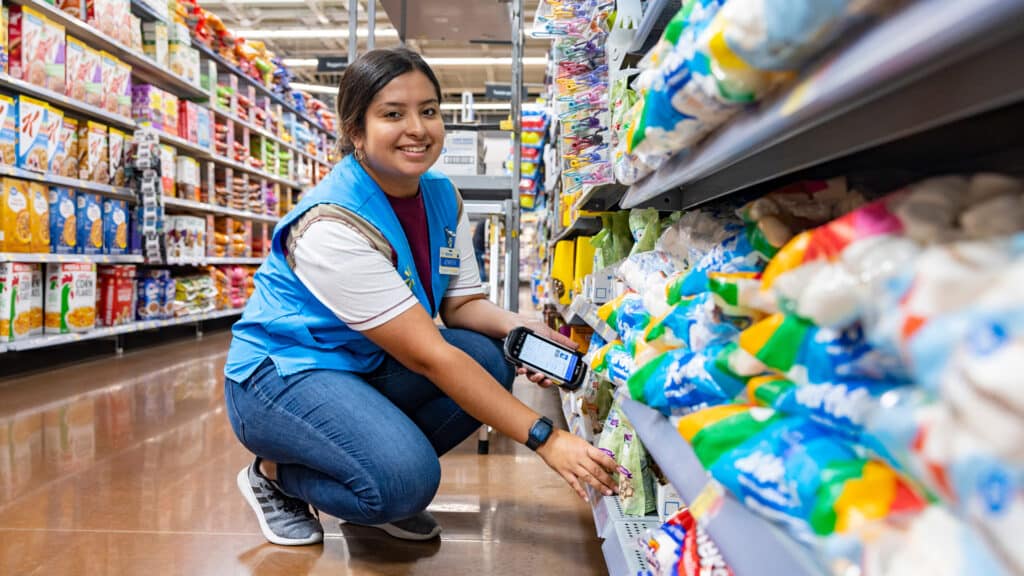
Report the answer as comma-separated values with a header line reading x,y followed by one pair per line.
x,y
400,489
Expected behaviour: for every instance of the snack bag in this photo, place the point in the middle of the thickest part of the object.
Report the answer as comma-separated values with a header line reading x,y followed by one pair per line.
x,y
679,382
39,217
15,300
692,323
716,430
636,490
63,223
733,255
738,295
613,362
54,54
8,131
15,216
70,297
33,144
89,215
115,226
811,482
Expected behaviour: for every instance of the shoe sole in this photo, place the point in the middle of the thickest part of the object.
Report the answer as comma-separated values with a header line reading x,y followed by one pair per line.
x,y
396,532
250,497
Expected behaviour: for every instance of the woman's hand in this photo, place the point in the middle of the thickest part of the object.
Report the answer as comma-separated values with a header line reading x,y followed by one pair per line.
x,y
542,330
579,463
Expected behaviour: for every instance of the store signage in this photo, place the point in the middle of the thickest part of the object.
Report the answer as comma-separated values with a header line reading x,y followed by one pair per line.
x,y
500,91
331,63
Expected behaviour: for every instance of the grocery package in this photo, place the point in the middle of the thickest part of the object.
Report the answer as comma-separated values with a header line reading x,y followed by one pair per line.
x,y
89,218
39,217
15,300
70,301
92,71
682,547
77,72
63,221
92,152
116,301
15,217
115,226
116,151
33,144
194,295
36,317
149,296
8,131
64,161
109,76
185,237
168,166
53,125
26,30
54,56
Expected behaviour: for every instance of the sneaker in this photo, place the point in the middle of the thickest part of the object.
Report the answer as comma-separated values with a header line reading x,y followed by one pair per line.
x,y
284,520
418,527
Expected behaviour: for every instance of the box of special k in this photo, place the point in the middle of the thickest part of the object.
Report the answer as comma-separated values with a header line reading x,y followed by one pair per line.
x,y
26,29
33,145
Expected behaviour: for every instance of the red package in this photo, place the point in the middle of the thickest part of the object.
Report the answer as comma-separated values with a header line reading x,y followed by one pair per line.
x,y
700,555
116,301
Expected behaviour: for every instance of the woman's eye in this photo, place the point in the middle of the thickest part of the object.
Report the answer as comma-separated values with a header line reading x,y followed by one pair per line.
x,y
393,115
430,112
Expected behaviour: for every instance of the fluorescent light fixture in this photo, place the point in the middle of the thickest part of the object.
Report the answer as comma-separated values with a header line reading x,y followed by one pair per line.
x,y
315,88
492,106
306,33
439,62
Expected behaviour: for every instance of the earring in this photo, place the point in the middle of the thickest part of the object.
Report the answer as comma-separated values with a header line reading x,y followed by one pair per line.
x,y
360,155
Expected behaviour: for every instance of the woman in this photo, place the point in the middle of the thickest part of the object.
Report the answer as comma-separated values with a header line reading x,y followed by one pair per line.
x,y
338,379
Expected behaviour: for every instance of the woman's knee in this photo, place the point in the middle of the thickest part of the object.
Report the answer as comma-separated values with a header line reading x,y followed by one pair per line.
x,y
487,351
398,490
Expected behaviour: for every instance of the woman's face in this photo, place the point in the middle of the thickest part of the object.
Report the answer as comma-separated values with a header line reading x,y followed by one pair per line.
x,y
404,133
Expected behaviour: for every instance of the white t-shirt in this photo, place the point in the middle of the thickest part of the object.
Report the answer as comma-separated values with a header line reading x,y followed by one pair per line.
x,y
354,280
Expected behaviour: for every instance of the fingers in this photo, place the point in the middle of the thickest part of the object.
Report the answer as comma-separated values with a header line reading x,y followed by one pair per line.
x,y
575,484
603,459
598,479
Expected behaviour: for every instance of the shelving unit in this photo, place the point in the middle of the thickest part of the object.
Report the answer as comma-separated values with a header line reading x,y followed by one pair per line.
x,y
204,208
656,16
892,82
622,554
749,543
87,258
583,313
65,102
214,260
474,187
61,339
103,189
581,227
601,198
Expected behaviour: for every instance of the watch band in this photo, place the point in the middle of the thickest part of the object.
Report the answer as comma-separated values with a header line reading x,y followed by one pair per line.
x,y
539,433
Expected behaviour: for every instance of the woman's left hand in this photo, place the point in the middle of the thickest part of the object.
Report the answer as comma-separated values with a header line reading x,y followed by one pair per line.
x,y
543,331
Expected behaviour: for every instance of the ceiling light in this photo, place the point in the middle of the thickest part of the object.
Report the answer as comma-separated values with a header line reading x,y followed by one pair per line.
x,y
303,33
315,88
438,62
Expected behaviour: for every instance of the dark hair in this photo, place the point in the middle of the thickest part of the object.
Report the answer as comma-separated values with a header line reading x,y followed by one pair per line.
x,y
361,81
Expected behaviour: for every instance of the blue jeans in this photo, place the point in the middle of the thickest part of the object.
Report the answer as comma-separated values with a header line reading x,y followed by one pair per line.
x,y
362,447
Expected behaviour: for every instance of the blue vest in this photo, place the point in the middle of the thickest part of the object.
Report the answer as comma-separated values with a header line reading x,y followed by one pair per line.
x,y
287,323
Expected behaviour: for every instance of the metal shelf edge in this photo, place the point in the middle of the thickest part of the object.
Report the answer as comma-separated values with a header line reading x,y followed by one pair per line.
x,y
651,16
65,102
52,179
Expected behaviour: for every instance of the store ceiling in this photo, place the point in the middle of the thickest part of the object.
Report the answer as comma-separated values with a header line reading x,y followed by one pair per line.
x,y
436,28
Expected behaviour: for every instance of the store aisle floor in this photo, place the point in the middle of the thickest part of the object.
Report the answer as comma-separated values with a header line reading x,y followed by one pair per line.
x,y
127,466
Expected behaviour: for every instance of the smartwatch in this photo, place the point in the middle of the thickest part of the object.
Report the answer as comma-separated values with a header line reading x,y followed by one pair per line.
x,y
539,433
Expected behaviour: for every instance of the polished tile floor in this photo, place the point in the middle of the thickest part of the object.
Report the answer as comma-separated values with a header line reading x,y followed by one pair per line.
x,y
127,466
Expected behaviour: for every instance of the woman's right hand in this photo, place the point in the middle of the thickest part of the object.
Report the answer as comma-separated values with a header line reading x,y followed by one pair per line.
x,y
578,462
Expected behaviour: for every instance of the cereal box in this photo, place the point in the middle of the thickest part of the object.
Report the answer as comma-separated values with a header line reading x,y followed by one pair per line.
x,y
64,162
122,87
74,7
116,302
15,221
15,300
149,295
8,131
170,293
52,127
135,34
54,51
187,176
36,296
100,15
33,147
63,227
204,128
148,106
167,166
154,42
70,301
115,226
108,68
92,71
3,40
39,217
124,30
170,114
75,69
92,152
26,29
89,215
116,141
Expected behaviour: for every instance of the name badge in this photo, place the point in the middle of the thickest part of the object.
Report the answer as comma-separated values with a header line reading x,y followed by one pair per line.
x,y
450,262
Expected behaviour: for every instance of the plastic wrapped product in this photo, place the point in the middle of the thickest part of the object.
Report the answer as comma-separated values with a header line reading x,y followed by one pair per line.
x,y
647,272
797,474
614,363
644,226
733,255
692,324
696,233
739,295
636,489
680,382
717,429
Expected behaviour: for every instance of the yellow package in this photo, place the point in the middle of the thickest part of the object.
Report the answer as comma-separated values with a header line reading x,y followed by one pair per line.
x,y
39,217
562,270
15,219
16,300
584,265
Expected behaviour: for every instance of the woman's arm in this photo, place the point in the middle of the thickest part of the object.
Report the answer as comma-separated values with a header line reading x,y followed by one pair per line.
x,y
414,340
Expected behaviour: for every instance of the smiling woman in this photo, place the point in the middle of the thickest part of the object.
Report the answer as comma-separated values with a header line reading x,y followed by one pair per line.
x,y
338,378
